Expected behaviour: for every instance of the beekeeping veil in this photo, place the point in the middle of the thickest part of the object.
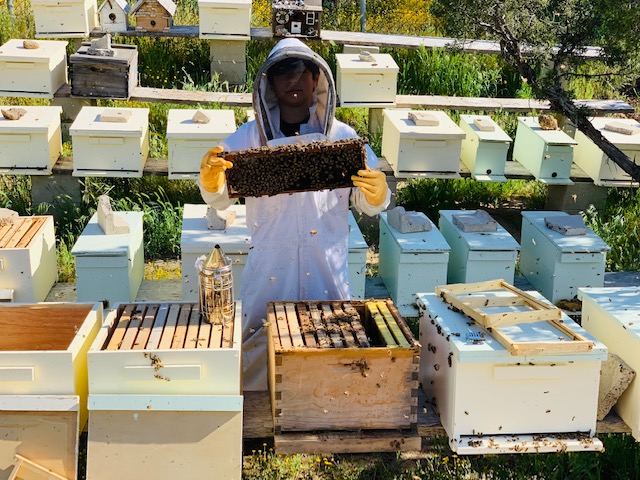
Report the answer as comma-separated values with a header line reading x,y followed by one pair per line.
x,y
265,101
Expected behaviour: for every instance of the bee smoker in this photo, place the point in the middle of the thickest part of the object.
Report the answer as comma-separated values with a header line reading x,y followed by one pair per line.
x,y
216,287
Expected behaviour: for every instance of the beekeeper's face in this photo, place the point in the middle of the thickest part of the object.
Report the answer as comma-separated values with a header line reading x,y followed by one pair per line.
x,y
293,82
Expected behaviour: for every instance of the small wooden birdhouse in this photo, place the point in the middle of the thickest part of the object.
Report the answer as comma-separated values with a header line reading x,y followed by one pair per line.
x,y
296,18
154,15
114,15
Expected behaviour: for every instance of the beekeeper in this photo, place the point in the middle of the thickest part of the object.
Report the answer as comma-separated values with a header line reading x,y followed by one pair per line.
x,y
299,241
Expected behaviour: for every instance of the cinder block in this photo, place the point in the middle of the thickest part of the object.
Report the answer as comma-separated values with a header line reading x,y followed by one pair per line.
x,y
569,225
408,222
615,377
478,221
219,219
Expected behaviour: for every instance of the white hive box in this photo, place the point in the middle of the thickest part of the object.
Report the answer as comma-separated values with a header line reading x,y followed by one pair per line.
x,y
547,154
43,384
165,394
557,264
491,401
421,151
197,240
478,256
32,72
225,19
188,141
611,315
484,151
68,19
109,267
28,258
32,144
411,262
588,156
366,84
110,149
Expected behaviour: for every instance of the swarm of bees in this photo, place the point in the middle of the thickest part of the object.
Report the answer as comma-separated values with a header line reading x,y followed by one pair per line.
x,y
294,168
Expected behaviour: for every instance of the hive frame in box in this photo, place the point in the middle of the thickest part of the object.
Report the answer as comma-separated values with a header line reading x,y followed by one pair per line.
x,y
531,310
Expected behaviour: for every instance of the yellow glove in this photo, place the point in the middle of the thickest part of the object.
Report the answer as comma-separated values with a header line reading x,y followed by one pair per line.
x,y
212,169
373,184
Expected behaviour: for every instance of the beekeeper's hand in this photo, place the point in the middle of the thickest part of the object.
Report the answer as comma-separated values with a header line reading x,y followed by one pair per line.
x,y
373,184
212,169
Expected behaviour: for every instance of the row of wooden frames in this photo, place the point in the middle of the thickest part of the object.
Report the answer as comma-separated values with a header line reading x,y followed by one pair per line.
x,y
20,233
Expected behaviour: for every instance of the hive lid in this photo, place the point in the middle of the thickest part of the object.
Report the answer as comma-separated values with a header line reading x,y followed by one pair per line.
x,y
430,241
589,243
36,120
620,140
551,137
180,125
351,63
500,240
446,129
456,325
621,303
497,135
13,51
88,122
93,241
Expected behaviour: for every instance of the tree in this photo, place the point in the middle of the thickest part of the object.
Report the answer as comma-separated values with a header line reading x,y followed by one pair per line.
x,y
545,42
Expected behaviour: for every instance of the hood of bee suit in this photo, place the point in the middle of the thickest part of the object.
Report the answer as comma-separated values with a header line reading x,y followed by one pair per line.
x,y
264,99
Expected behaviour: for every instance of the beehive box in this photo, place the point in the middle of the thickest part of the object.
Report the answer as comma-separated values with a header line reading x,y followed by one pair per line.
x,y
36,72
32,144
421,151
197,240
104,77
341,366
165,394
188,141
611,315
67,19
492,401
225,19
291,168
588,156
109,267
296,18
110,149
28,258
478,256
556,264
484,150
43,384
547,154
362,83
411,262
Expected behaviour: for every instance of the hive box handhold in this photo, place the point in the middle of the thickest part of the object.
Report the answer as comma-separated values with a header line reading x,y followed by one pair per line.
x,y
219,220
7,217
476,222
424,119
109,221
408,222
615,377
569,225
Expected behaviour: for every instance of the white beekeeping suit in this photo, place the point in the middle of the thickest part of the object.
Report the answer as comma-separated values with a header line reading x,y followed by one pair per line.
x,y
299,241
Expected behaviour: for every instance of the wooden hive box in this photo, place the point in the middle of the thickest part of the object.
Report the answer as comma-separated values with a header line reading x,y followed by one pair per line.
x,y
64,18
43,385
421,151
519,376
32,144
343,365
104,77
36,72
547,154
361,83
188,141
484,150
28,267
110,149
225,19
165,394
296,18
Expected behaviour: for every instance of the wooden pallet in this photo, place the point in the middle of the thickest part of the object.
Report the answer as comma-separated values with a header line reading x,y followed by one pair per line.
x,y
495,303
166,326
20,233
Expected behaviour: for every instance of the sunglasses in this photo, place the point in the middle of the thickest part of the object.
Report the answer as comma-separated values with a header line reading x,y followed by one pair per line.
x,y
288,66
